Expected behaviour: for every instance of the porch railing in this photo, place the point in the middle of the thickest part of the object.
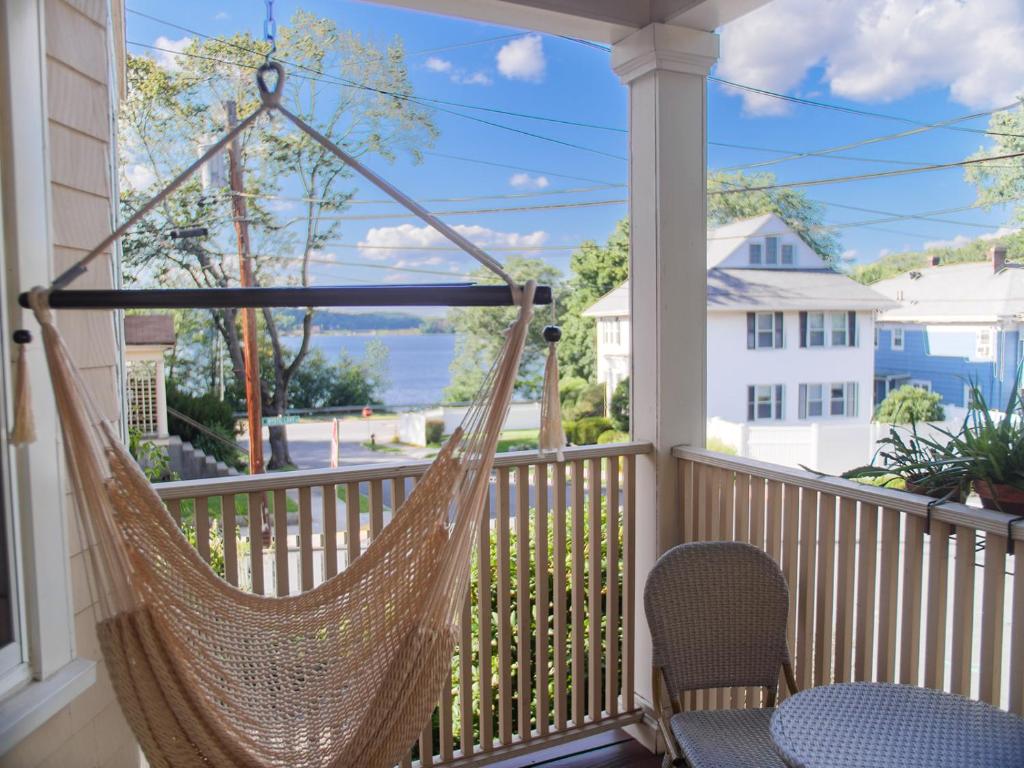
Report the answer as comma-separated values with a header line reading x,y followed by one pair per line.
x,y
881,587
547,634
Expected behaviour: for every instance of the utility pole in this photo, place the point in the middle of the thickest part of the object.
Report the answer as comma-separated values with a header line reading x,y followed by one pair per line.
x,y
253,396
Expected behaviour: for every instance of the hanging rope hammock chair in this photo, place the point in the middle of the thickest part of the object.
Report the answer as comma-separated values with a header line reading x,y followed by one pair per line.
x,y
345,674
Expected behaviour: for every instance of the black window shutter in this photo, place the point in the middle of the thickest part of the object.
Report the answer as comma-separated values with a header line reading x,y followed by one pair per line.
x,y
750,404
779,337
851,322
803,401
751,330
778,402
803,329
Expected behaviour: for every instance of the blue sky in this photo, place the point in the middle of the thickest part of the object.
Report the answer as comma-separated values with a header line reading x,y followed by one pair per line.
x,y
927,60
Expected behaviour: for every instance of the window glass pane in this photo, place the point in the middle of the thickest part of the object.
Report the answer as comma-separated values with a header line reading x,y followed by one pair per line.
x,y
814,404
838,398
765,330
764,402
816,329
755,253
771,250
838,329
787,254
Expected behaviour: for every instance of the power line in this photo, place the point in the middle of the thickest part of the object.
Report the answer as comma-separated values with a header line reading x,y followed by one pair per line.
x,y
462,199
863,176
949,123
478,211
331,80
453,46
450,249
864,112
493,164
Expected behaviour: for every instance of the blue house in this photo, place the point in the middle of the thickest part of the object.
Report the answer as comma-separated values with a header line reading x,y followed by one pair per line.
x,y
955,325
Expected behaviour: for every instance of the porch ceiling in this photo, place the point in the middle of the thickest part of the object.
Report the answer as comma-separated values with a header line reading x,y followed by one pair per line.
x,y
606,21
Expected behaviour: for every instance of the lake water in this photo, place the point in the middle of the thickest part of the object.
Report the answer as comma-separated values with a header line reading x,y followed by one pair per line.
x,y
417,363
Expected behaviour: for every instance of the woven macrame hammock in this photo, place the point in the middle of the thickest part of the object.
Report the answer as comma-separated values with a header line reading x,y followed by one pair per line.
x,y
345,674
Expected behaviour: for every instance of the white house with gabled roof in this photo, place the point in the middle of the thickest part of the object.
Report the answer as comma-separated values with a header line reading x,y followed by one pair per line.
x,y
790,340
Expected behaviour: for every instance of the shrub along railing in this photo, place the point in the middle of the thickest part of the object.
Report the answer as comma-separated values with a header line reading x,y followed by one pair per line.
x,y
547,631
881,587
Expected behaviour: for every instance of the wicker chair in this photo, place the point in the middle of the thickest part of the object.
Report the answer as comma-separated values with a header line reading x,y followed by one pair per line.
x,y
717,614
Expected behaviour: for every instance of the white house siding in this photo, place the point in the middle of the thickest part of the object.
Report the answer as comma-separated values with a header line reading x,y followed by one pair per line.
x,y
91,731
612,352
732,367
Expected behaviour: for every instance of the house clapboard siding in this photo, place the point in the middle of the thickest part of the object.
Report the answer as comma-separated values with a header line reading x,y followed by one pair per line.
x,y
961,325
82,86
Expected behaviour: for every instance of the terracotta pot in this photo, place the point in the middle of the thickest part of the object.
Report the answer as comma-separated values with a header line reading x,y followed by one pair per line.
x,y
1004,498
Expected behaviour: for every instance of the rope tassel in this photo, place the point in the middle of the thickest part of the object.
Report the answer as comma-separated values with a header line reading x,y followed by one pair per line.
x,y
24,431
552,435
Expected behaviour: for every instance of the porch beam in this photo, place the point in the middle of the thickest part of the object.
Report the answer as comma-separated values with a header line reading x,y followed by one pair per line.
x,y
665,68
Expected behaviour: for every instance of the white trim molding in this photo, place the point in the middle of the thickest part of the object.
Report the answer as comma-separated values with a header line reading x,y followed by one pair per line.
x,y
665,48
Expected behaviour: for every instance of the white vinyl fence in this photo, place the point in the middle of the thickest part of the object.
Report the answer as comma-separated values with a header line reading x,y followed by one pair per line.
x,y
826,447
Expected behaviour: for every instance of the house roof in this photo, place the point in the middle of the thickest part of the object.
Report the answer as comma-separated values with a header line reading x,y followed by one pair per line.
x,y
731,290
149,330
782,289
615,303
955,293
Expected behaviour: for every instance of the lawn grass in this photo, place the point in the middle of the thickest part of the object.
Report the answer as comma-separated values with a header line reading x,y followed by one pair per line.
x,y
364,501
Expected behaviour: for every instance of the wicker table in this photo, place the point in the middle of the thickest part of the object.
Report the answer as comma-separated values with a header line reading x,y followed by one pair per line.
x,y
876,725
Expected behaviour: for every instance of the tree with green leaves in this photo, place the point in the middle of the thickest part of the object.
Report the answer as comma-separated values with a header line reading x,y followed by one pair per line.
x,y
910,405
480,333
596,269
1002,181
805,217
350,90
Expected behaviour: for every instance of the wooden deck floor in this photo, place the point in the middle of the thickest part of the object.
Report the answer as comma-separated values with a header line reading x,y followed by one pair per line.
x,y
614,749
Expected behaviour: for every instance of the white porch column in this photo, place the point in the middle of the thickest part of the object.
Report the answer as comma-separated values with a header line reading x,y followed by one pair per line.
x,y
161,397
665,68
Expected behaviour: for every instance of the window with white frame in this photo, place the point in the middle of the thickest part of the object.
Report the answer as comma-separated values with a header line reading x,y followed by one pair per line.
x,y
839,336
921,384
827,400
815,329
765,402
755,253
764,330
787,253
771,250
843,399
896,340
985,344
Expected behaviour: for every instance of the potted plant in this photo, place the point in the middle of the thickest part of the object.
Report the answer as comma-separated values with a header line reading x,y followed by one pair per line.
x,y
924,465
994,446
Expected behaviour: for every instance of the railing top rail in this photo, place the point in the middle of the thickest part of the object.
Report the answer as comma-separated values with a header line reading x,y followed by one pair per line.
x,y
271,481
987,520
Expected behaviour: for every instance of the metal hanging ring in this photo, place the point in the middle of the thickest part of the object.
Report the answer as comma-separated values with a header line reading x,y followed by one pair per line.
x,y
270,97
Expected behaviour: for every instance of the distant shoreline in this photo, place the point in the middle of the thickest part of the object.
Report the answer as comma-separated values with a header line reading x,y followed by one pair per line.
x,y
379,332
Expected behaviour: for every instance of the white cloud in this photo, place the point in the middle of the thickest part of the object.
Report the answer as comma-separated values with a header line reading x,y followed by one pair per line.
x,y
879,50
954,242
961,240
435,64
388,242
221,15
1001,232
456,74
138,176
476,78
848,256
523,59
168,57
526,181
